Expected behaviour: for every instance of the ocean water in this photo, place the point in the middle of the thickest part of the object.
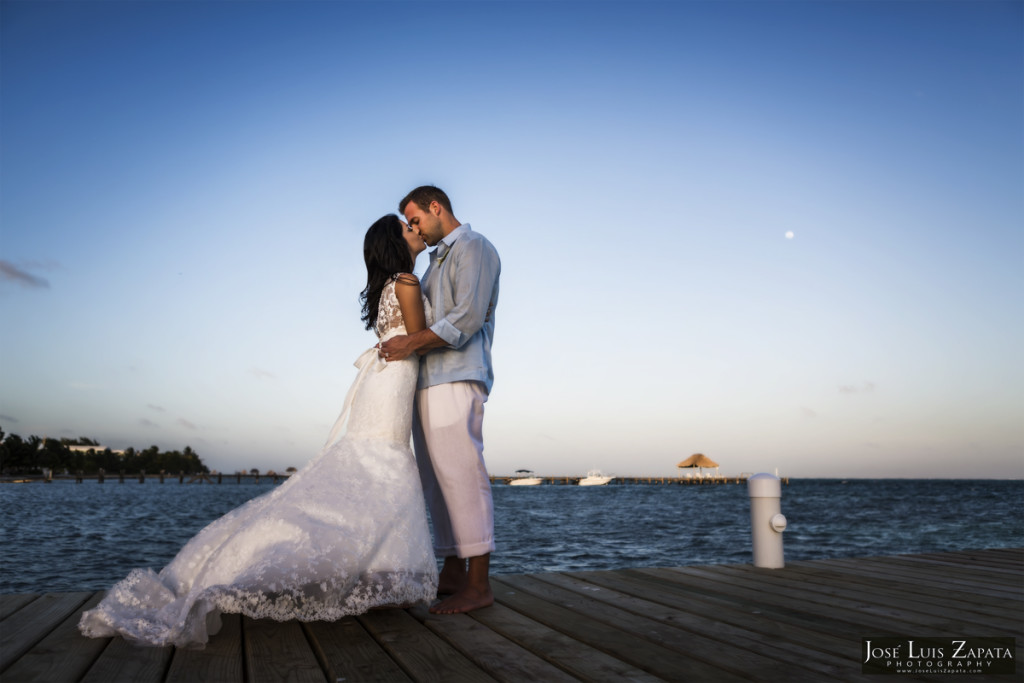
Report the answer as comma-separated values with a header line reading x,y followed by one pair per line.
x,y
65,536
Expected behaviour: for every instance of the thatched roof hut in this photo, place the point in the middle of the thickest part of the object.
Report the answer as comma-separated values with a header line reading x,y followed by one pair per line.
x,y
698,460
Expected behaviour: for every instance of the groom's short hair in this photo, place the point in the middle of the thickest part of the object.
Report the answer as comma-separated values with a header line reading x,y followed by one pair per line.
x,y
423,195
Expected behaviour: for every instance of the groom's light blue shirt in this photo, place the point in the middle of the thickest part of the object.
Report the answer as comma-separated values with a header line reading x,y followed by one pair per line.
x,y
461,284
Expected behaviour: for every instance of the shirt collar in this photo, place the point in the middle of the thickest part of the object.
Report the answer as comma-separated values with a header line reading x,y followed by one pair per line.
x,y
448,240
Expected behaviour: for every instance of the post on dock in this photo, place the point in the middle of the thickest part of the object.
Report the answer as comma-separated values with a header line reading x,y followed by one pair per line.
x,y
142,476
766,520
219,475
181,476
162,473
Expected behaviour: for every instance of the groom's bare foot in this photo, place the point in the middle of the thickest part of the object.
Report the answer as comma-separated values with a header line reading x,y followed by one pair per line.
x,y
466,600
475,589
450,585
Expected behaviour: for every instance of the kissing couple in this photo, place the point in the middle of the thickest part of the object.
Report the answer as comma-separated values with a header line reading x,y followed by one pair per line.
x,y
348,532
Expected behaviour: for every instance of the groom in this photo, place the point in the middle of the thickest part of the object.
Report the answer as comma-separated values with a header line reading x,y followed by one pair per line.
x,y
455,378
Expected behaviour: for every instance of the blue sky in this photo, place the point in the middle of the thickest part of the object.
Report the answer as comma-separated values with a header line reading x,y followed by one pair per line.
x,y
784,234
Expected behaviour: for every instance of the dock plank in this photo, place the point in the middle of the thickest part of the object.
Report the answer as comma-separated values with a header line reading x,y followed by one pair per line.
x,y
656,659
423,655
909,594
219,662
278,651
708,622
697,646
995,555
123,662
784,626
955,572
765,603
849,616
576,658
878,598
35,621
63,655
907,589
348,653
12,602
967,559
501,658
921,581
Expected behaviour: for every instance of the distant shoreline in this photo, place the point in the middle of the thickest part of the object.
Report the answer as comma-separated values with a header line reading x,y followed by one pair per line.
x,y
139,477
498,480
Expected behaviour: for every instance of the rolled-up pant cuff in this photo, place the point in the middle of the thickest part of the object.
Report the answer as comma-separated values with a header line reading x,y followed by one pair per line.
x,y
465,551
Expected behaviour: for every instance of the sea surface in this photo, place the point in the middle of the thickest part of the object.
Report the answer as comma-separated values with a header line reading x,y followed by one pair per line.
x,y
66,537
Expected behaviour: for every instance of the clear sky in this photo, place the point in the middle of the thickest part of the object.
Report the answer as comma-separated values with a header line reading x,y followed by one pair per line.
x,y
783,234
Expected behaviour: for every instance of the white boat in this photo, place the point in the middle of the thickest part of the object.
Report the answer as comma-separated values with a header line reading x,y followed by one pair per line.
x,y
595,478
525,478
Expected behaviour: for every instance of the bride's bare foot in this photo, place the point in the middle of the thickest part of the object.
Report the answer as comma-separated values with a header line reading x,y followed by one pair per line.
x,y
466,600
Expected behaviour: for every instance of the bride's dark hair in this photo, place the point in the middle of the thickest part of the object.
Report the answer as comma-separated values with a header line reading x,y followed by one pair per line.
x,y
386,254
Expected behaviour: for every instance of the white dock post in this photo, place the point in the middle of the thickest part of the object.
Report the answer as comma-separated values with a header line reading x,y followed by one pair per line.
x,y
766,520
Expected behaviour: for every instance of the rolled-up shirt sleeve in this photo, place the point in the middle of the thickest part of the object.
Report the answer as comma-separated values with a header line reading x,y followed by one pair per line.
x,y
469,276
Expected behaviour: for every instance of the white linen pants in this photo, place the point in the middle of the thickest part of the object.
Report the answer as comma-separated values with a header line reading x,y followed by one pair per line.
x,y
447,432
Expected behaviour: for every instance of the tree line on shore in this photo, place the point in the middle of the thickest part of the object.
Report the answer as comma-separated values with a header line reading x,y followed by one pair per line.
x,y
35,454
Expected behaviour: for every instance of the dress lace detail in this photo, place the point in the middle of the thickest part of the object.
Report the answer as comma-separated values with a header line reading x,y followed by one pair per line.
x,y
346,533
389,314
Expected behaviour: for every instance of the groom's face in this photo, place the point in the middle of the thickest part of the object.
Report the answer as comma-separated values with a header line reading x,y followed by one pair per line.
x,y
426,223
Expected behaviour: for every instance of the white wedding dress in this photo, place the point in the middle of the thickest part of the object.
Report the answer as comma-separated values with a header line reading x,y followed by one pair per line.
x,y
346,533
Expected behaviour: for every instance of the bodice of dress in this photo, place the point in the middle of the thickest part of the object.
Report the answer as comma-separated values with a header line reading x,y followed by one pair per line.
x,y
382,396
389,315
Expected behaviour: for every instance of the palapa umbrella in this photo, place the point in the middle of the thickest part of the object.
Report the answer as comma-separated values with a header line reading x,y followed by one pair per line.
x,y
699,460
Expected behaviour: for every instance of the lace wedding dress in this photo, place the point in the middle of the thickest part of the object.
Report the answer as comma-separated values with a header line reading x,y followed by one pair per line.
x,y
346,533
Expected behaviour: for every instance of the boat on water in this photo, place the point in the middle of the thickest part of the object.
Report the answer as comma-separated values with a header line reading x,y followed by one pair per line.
x,y
525,478
595,478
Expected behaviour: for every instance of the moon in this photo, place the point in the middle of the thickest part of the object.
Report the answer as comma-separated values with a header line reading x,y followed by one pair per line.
x,y
789,234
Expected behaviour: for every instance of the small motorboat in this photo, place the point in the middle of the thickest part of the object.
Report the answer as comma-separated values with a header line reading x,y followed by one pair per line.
x,y
525,478
595,478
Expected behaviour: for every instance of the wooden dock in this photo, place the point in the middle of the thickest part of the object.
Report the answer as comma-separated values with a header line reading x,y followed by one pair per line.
x,y
704,623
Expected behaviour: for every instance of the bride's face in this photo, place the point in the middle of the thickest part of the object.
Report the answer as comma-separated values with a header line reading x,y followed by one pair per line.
x,y
413,239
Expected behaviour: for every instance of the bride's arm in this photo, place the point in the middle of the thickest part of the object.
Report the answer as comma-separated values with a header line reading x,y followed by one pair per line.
x,y
407,291
420,338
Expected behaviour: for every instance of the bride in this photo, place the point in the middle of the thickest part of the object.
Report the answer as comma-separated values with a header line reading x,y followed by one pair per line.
x,y
345,534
